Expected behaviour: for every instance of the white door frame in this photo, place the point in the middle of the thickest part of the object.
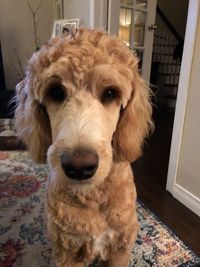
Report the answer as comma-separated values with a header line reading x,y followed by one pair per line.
x,y
113,17
148,41
104,15
98,14
183,87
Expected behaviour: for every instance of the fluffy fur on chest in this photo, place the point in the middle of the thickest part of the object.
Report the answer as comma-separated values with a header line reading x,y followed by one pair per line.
x,y
86,225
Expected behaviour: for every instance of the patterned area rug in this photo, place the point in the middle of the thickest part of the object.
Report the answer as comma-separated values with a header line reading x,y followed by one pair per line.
x,y
23,239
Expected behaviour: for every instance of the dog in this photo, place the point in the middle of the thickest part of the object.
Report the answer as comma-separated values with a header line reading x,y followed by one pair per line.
x,y
84,109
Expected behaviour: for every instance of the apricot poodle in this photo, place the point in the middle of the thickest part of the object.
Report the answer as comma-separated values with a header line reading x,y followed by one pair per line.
x,y
84,108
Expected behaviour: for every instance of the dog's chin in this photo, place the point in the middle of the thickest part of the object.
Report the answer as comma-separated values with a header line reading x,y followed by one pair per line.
x,y
87,184
83,187
89,181
60,183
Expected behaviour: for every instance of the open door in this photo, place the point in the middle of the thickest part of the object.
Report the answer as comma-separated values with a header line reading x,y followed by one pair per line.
x,y
134,22
131,20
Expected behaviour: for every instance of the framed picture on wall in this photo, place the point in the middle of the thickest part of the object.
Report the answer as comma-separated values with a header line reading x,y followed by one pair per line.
x,y
64,26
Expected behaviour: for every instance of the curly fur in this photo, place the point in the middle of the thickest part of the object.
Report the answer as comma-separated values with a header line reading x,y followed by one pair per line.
x,y
97,217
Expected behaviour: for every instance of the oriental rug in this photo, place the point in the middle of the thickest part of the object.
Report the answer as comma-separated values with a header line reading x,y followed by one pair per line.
x,y
23,240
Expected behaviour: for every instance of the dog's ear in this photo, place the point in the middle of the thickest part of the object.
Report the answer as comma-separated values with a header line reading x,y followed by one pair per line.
x,y
32,122
134,123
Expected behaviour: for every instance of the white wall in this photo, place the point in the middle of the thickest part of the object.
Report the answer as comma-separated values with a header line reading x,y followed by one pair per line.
x,y
78,9
188,174
184,165
16,31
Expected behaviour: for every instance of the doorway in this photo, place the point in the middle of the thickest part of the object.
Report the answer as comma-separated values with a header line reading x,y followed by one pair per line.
x,y
165,23
151,170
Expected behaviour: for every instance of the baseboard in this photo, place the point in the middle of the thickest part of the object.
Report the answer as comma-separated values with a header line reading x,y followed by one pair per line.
x,y
186,198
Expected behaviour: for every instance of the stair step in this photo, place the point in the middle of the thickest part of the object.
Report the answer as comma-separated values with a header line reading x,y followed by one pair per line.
x,y
166,45
162,64
163,54
170,90
168,74
171,96
160,37
164,74
168,79
171,102
170,85
172,64
167,68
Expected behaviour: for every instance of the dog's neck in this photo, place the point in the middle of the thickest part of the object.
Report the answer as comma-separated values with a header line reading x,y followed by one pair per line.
x,y
94,192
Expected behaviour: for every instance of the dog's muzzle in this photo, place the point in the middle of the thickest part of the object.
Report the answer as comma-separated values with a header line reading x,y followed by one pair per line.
x,y
80,164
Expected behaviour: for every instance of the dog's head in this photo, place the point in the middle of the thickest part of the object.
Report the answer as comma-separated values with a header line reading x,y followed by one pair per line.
x,y
82,105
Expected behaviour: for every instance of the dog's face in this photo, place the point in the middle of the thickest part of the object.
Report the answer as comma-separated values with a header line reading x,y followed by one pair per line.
x,y
83,115
84,105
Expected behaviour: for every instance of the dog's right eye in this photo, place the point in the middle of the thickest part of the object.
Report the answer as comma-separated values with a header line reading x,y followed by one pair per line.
x,y
56,92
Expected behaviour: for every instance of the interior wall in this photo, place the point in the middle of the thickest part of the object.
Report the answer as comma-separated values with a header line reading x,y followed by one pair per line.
x,y
176,12
188,173
78,9
16,31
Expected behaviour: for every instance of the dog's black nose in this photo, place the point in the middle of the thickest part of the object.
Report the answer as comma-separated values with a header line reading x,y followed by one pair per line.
x,y
80,165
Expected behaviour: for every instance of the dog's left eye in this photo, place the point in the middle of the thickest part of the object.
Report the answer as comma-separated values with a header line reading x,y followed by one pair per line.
x,y
56,92
109,94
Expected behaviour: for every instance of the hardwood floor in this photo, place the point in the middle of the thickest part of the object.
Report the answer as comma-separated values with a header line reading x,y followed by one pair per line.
x,y
150,176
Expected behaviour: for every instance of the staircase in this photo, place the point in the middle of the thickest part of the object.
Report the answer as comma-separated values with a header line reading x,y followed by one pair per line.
x,y
166,61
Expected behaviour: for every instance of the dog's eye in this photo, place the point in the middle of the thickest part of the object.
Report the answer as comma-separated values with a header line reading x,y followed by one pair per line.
x,y
109,94
56,92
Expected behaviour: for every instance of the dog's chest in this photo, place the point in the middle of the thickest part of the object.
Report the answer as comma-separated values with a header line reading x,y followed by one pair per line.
x,y
91,246
102,243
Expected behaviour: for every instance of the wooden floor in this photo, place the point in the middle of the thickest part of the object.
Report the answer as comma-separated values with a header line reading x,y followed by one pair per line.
x,y
150,176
